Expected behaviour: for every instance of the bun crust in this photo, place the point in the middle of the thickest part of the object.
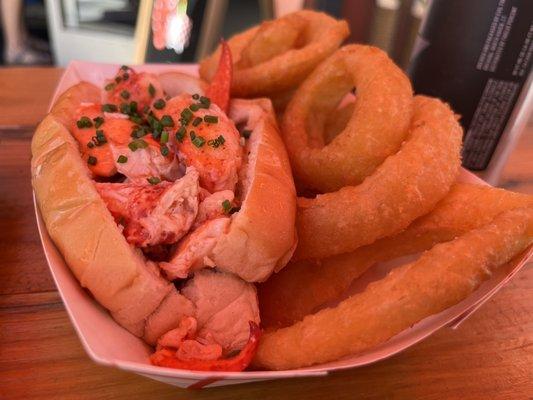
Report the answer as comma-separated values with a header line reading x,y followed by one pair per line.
x,y
82,228
262,235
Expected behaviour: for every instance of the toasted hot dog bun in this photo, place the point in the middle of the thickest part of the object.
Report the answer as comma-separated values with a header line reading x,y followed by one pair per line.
x,y
261,237
81,226
117,274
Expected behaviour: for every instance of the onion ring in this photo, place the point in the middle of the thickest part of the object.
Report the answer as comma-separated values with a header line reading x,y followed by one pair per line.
x,y
303,286
377,127
277,55
406,186
440,278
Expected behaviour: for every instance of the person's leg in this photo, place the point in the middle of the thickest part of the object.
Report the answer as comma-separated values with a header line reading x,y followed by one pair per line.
x,y
11,22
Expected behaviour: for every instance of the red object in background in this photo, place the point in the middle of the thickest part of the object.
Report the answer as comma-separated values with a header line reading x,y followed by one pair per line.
x,y
162,10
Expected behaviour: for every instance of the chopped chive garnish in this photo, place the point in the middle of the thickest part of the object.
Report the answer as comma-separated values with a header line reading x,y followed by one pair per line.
x,y
122,159
90,145
180,134
215,143
157,129
125,94
125,76
196,96
198,141
205,102
109,108
226,206
246,133
133,106
153,180
164,151
186,114
211,119
91,160
100,137
109,86
194,107
125,108
166,120
146,109
197,121
159,104
124,67
98,121
118,79
135,118
84,122
151,90
137,144
164,137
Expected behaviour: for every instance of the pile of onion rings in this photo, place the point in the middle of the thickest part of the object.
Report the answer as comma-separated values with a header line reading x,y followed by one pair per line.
x,y
274,57
379,170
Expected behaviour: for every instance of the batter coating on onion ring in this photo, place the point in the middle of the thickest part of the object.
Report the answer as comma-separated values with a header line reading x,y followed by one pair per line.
x,y
378,125
406,186
440,278
277,55
303,286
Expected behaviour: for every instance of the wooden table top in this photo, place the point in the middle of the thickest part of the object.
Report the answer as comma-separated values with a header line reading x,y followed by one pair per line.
x,y
489,356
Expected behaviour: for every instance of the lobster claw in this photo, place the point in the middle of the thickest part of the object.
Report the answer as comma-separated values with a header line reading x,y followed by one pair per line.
x,y
165,357
220,87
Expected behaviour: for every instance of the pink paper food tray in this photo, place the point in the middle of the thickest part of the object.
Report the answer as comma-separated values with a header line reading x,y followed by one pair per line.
x,y
109,344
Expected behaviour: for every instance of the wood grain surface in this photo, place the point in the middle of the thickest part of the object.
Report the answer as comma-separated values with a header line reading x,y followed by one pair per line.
x,y
489,357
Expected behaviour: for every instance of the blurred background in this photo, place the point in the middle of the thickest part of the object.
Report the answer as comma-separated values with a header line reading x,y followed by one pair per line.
x,y
119,31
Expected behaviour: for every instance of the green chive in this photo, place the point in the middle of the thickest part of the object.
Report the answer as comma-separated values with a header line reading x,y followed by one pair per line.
x,y
135,118
90,145
125,76
164,137
159,104
125,108
158,128
122,159
215,143
146,109
91,160
197,121
109,86
151,90
211,119
196,96
118,79
164,151
133,106
84,122
186,114
109,108
98,121
198,141
246,133
226,206
125,94
100,137
194,107
153,180
166,120
124,67
205,102
180,134
137,144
